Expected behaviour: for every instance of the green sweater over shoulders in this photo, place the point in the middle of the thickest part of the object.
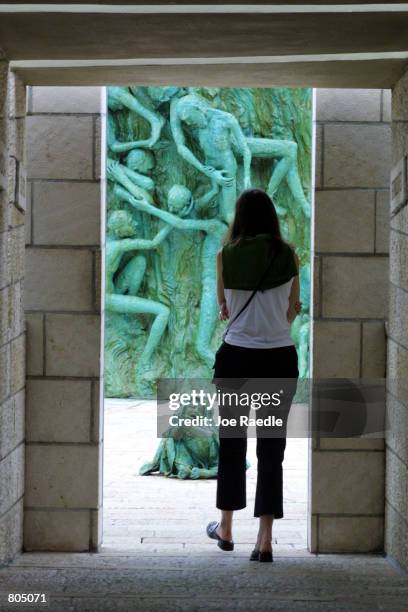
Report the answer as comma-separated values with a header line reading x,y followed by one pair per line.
x,y
244,262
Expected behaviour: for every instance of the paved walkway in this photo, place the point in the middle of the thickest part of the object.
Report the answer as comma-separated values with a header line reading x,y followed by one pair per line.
x,y
157,512
156,558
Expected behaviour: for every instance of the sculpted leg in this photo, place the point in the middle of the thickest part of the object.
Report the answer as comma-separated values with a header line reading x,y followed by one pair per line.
x,y
208,311
126,304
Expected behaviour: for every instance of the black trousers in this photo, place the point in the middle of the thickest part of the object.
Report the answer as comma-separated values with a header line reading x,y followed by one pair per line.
x,y
235,362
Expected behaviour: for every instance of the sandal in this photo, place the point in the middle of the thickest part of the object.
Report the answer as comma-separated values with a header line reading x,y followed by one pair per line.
x,y
263,557
211,532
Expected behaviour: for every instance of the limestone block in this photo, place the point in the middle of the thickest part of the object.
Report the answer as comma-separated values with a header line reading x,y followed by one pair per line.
x,y
98,280
58,279
344,221
398,321
357,155
319,157
4,371
316,286
56,531
355,287
11,532
336,349
351,443
3,87
4,259
59,147
386,105
400,220
348,482
17,364
65,100
73,345
52,476
58,410
16,310
382,221
396,483
396,536
16,246
5,308
399,100
27,216
397,427
399,259
348,104
35,343
97,149
96,529
349,534
373,350
11,423
97,411
67,213
397,368
399,141
17,96
11,478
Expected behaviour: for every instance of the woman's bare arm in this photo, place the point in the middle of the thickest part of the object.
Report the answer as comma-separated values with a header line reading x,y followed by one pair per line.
x,y
220,289
294,297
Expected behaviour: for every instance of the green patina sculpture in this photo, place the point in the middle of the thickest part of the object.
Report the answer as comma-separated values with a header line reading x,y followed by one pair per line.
x,y
177,158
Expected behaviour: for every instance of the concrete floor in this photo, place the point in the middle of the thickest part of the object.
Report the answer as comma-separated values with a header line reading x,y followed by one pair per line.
x,y
156,557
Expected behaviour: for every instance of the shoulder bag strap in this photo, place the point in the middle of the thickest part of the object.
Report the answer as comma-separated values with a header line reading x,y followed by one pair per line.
x,y
261,280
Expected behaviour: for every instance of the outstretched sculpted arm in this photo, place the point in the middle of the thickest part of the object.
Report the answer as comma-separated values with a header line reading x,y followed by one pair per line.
x,y
173,220
124,96
178,135
140,244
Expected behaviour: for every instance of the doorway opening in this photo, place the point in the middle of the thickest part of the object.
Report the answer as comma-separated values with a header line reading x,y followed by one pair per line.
x,y
172,149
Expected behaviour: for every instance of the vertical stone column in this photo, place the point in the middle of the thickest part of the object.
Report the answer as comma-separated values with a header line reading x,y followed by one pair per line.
x,y
63,308
396,491
350,306
12,335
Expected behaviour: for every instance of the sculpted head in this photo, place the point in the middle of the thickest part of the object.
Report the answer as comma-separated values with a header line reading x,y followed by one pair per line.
x,y
192,111
121,224
179,200
140,160
162,94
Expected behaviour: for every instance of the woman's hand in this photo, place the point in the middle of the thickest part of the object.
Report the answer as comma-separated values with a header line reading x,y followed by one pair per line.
x,y
223,314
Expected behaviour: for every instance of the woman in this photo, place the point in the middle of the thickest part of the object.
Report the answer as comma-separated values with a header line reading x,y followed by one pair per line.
x,y
258,290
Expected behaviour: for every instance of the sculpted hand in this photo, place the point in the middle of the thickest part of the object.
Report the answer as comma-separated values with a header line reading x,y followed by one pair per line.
x,y
139,202
221,177
112,169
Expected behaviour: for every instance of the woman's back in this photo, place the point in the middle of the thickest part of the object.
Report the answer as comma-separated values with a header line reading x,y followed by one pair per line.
x,y
263,323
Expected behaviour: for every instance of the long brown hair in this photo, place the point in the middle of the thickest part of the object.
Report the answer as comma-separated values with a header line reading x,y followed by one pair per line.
x,y
254,214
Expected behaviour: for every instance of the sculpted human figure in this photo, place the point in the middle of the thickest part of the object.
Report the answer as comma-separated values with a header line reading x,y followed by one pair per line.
x,y
120,98
121,295
300,327
219,134
179,199
216,132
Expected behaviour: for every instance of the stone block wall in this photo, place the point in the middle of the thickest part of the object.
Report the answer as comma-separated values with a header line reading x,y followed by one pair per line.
x,y
63,312
350,306
396,493
12,334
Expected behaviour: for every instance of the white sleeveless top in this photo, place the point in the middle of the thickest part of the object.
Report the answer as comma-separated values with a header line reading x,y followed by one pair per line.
x,y
263,324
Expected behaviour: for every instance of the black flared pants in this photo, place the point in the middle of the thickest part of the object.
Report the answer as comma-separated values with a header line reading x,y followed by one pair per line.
x,y
233,363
